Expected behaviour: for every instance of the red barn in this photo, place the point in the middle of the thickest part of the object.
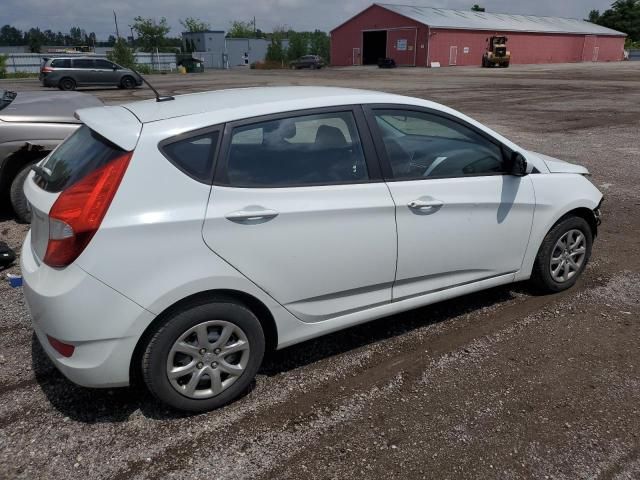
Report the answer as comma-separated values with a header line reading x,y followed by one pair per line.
x,y
419,36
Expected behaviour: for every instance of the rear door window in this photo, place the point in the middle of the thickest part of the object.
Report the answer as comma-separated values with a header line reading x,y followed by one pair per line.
x,y
83,63
104,64
320,149
81,154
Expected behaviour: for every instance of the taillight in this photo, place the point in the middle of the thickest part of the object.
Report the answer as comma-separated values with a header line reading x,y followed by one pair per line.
x,y
77,213
46,70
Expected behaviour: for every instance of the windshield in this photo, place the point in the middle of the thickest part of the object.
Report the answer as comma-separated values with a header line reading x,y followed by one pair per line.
x,y
6,97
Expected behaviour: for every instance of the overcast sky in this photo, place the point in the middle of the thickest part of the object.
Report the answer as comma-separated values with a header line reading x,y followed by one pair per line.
x,y
97,16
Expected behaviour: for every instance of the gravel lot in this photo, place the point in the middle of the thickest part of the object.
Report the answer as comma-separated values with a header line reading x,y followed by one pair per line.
x,y
500,384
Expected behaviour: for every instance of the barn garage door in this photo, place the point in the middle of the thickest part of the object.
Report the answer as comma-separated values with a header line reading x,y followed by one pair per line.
x,y
401,46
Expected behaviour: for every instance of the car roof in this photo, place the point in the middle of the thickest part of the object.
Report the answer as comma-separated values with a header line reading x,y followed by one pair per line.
x,y
238,103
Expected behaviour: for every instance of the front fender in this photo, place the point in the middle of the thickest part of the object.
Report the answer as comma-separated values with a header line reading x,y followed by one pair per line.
x,y
556,195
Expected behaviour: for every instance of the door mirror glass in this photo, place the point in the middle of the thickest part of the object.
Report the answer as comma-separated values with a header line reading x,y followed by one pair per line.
x,y
517,164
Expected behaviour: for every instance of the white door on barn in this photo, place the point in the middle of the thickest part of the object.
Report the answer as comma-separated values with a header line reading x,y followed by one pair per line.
x,y
453,55
356,56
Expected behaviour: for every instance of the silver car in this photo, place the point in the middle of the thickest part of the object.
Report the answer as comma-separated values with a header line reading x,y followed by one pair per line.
x,y
31,125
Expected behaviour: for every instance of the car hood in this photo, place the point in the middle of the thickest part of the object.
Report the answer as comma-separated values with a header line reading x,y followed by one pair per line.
x,y
559,166
55,107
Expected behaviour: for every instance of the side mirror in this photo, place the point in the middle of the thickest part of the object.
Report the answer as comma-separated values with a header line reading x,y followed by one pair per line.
x,y
517,165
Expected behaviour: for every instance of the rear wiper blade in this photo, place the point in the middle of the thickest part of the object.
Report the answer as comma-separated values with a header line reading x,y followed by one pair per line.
x,y
42,172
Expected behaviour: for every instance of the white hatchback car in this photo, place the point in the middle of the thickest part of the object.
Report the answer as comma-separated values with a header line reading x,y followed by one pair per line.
x,y
181,239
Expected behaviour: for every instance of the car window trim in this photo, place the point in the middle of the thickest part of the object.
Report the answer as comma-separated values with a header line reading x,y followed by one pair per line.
x,y
371,159
193,134
385,164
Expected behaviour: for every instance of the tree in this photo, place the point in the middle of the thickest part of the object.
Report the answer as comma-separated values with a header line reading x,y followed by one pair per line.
x,y
624,16
478,8
319,44
122,54
241,29
35,39
11,36
275,51
298,44
191,24
76,35
594,16
151,34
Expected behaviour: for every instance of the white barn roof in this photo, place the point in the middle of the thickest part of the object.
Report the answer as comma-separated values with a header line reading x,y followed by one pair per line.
x,y
501,22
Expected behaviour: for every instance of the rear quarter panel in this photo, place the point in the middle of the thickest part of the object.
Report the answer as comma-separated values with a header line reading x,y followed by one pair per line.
x,y
150,246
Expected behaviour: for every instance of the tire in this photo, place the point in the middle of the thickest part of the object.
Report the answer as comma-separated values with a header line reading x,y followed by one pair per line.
x,y
17,197
160,355
128,82
542,275
67,84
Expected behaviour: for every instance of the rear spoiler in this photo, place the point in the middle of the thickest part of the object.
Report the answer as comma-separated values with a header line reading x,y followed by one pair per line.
x,y
116,124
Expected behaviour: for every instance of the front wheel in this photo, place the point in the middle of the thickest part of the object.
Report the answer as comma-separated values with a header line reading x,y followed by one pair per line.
x,y
563,255
204,356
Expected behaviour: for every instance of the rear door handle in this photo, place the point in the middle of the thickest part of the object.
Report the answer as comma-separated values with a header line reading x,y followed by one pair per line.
x,y
252,215
425,204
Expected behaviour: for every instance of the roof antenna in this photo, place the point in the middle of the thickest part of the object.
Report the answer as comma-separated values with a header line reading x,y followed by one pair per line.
x,y
159,98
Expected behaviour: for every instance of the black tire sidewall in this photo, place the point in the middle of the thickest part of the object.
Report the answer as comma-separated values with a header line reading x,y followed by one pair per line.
x,y
157,350
542,268
67,82
128,82
17,197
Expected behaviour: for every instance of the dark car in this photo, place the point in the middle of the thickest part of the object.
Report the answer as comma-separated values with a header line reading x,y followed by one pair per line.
x,y
69,73
386,63
308,61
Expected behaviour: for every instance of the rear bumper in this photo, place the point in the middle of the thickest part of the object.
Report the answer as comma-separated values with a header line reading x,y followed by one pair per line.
x,y
72,306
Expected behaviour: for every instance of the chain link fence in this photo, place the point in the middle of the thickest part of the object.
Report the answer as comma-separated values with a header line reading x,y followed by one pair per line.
x,y
31,62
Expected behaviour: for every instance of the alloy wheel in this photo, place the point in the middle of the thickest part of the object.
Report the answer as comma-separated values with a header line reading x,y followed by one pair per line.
x,y
568,255
207,359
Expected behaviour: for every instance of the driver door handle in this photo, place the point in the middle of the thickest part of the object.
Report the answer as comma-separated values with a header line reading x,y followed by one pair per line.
x,y
425,204
251,215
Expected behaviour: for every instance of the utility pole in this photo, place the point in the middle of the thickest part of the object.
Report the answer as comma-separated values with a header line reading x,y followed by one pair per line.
x,y
115,19
133,40
254,25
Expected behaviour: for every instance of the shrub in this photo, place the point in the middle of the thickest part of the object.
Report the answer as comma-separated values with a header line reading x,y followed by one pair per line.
x,y
122,54
3,66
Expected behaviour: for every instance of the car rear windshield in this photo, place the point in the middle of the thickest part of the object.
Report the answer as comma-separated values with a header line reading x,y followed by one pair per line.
x,y
81,154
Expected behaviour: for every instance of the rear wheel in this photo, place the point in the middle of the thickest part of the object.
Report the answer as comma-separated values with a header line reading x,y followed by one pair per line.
x,y
128,82
204,355
67,84
16,194
563,255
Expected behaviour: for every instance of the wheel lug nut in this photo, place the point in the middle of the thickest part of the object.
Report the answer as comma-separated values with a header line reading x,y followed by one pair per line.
x,y
203,351
200,365
217,350
214,364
